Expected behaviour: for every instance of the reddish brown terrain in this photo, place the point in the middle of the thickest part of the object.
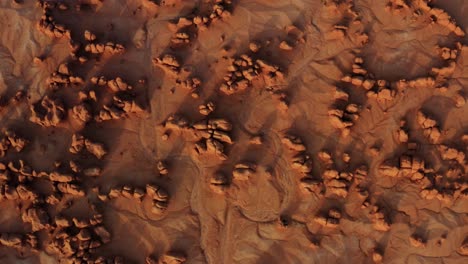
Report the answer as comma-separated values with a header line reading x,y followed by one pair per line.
x,y
233,131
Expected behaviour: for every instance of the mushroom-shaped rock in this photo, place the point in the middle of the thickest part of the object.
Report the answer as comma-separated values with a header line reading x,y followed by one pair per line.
x,y
11,240
169,63
61,221
151,260
293,143
463,249
84,235
92,172
159,207
220,124
80,223
417,241
103,234
70,188
60,177
222,136
388,170
97,149
312,184
89,36
219,182
172,258
302,162
151,190
162,167
377,257
78,143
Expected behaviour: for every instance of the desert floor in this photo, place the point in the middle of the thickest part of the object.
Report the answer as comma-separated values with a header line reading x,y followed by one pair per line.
x,y
233,131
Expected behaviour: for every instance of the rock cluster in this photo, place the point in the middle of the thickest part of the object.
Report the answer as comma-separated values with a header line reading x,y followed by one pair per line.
x,y
213,133
206,109
11,140
123,103
333,182
359,77
47,23
293,143
344,115
79,51
169,63
125,191
100,48
76,240
159,196
446,188
412,167
401,134
16,182
446,185
72,239
183,75
191,84
349,24
379,90
282,99
449,54
19,241
441,18
48,112
448,153
302,163
93,46
63,76
80,143
396,6
121,106
82,112
312,184
336,183
244,70
220,9
330,219
116,85
37,217
430,128
437,15
409,166
175,121
443,73
382,92
186,28
379,219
